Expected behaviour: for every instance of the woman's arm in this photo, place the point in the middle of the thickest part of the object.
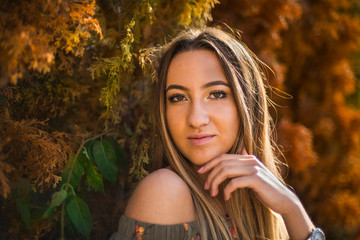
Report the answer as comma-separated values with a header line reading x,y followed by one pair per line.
x,y
247,171
298,222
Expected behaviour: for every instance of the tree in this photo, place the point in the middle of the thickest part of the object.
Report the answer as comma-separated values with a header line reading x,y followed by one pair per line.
x,y
74,124
311,46
73,78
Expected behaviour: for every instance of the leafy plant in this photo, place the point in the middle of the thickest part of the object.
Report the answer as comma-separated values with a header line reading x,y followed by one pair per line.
x,y
98,157
69,68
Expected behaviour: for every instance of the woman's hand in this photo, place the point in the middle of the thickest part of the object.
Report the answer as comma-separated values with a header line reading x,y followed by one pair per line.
x,y
246,171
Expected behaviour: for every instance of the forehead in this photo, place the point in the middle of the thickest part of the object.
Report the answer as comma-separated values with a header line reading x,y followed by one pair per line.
x,y
195,65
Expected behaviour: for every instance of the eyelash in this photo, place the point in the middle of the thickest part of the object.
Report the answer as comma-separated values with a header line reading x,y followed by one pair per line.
x,y
175,98
222,93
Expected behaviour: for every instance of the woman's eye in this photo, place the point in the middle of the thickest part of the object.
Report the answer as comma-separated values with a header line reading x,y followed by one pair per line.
x,y
177,98
217,95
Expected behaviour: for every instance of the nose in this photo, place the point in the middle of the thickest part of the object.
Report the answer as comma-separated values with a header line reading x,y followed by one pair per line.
x,y
198,115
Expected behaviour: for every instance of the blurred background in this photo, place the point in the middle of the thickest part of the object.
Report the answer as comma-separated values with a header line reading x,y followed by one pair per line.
x,y
75,132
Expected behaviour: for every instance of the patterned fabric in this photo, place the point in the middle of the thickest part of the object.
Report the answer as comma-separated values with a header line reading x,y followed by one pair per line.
x,y
130,229
232,227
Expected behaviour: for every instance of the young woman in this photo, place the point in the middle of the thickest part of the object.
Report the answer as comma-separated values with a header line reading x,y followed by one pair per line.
x,y
216,174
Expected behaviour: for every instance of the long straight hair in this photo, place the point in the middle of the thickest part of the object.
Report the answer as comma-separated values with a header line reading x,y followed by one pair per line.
x,y
253,220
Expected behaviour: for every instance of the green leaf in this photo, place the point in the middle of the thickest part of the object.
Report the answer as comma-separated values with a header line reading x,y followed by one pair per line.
x,y
23,209
94,178
119,152
79,214
82,158
88,149
77,172
56,199
105,159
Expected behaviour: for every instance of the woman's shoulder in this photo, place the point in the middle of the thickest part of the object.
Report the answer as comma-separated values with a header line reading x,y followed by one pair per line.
x,y
162,197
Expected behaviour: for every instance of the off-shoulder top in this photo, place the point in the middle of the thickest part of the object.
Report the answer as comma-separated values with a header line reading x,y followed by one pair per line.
x,y
131,229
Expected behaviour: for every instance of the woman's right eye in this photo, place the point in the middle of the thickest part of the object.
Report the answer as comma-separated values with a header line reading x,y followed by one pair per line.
x,y
177,98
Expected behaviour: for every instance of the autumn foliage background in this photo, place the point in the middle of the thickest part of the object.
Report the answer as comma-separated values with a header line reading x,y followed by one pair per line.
x,y
76,72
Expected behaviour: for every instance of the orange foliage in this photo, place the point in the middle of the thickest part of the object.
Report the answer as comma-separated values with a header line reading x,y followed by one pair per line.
x,y
32,33
310,45
50,45
34,153
297,143
262,23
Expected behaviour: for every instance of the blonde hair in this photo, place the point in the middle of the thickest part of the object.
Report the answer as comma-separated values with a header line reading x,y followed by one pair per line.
x,y
252,219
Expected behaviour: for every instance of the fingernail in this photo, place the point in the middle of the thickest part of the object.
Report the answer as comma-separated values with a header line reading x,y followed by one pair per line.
x,y
201,169
206,186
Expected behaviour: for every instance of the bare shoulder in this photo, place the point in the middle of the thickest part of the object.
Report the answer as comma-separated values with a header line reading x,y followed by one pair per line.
x,y
161,198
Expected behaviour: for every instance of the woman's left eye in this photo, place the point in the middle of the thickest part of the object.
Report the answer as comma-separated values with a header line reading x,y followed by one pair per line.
x,y
217,95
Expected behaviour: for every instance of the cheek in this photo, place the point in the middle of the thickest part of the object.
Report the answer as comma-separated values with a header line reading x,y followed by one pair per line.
x,y
230,122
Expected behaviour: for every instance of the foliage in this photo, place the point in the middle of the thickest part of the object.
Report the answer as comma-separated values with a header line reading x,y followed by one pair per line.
x,y
74,122
311,45
30,41
59,58
35,154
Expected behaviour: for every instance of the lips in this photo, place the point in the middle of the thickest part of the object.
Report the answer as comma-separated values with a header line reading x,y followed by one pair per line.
x,y
200,139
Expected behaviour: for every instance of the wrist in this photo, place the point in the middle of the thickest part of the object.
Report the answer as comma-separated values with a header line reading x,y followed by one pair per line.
x,y
297,222
293,207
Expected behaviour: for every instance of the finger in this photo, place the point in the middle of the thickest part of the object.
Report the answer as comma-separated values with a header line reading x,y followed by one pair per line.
x,y
227,173
235,183
211,164
239,161
215,161
244,152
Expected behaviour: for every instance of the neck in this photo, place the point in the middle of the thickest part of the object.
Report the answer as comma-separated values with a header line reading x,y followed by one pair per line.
x,y
203,178
219,197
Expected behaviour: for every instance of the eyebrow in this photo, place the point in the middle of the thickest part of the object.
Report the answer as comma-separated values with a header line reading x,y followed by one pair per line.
x,y
214,83
207,85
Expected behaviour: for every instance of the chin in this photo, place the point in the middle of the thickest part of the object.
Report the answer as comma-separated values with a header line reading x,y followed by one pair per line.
x,y
201,159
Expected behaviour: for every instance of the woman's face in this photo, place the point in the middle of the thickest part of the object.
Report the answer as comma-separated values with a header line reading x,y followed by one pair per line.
x,y
200,109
